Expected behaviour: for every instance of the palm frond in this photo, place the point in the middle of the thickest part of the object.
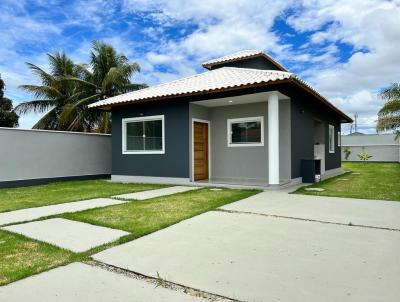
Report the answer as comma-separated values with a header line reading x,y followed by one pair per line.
x,y
60,64
42,91
391,93
48,121
36,106
77,123
82,71
105,123
75,79
391,107
46,78
385,123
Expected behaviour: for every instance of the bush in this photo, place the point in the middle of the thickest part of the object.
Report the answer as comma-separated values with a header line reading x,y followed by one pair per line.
x,y
346,152
364,156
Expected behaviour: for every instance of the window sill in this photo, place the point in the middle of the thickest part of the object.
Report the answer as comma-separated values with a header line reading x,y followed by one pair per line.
x,y
246,145
143,152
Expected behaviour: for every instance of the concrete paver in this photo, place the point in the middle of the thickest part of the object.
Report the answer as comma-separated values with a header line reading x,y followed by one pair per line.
x,y
38,212
80,282
68,234
376,213
156,193
258,258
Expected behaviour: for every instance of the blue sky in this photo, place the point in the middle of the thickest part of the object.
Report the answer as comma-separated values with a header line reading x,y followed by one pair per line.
x,y
347,50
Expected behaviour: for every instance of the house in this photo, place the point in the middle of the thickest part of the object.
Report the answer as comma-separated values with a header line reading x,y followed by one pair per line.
x,y
246,120
382,147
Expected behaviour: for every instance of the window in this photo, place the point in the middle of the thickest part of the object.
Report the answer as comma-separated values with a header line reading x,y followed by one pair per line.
x,y
339,139
143,135
331,139
245,132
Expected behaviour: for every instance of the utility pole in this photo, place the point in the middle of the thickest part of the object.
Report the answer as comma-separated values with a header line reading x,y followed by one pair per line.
x,y
355,122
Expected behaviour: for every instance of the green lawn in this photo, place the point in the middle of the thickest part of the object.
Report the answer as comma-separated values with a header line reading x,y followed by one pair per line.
x,y
21,257
66,191
144,217
374,181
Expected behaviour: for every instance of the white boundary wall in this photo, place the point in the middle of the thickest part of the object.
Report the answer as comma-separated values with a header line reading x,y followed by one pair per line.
x,y
382,147
42,154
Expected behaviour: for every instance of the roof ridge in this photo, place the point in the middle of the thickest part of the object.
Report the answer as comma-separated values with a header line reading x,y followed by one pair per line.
x,y
254,52
255,70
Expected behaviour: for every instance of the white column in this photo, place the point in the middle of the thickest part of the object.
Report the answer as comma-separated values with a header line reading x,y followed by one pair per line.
x,y
273,138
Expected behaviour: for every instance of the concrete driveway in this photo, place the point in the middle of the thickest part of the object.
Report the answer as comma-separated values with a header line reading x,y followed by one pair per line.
x,y
278,247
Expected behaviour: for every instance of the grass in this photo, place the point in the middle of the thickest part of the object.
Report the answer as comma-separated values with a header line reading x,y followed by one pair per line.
x,y
21,257
66,191
147,216
375,181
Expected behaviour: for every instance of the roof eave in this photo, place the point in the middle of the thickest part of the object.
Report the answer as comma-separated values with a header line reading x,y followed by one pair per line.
x,y
301,84
296,81
232,88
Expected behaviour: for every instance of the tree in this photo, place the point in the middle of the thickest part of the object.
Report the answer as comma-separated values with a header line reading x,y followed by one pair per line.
x,y
68,89
108,74
52,95
389,115
8,117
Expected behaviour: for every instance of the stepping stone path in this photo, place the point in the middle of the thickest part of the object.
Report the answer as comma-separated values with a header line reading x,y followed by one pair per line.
x,y
315,189
156,193
68,234
38,212
80,282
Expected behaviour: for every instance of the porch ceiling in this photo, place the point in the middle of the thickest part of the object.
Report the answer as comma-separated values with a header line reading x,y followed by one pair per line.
x,y
242,99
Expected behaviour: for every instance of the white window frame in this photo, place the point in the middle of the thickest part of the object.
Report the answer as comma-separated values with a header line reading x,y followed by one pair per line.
x,y
339,139
125,121
331,132
244,120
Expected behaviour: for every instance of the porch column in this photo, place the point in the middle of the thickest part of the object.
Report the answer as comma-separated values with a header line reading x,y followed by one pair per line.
x,y
273,138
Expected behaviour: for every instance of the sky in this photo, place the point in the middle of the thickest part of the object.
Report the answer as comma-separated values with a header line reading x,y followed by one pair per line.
x,y
346,49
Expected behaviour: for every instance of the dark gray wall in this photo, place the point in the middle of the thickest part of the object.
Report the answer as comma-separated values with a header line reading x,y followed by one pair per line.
x,y
174,163
254,63
303,113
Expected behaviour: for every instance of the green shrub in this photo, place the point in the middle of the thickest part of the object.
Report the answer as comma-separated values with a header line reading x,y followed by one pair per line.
x,y
364,156
346,152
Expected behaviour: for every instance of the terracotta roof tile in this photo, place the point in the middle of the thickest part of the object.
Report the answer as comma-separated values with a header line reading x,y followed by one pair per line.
x,y
225,77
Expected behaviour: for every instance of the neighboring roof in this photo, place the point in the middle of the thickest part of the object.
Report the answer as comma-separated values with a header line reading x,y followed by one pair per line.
x,y
356,133
217,80
244,54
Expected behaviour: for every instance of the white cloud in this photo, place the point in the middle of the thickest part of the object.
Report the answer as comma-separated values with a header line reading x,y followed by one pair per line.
x,y
372,28
211,28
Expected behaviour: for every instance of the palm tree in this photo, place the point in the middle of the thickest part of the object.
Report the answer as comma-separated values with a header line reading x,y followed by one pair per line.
x,y
389,115
52,95
107,75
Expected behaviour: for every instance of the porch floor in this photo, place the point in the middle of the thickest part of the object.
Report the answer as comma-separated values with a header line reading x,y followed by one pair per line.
x,y
247,185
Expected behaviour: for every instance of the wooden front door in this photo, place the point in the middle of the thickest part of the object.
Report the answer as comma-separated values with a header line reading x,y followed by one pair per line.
x,y
200,140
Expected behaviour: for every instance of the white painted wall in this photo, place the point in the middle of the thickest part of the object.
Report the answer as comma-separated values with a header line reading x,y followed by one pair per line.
x,y
382,147
35,154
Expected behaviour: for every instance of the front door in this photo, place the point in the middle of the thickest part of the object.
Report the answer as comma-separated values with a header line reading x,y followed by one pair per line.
x,y
200,145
